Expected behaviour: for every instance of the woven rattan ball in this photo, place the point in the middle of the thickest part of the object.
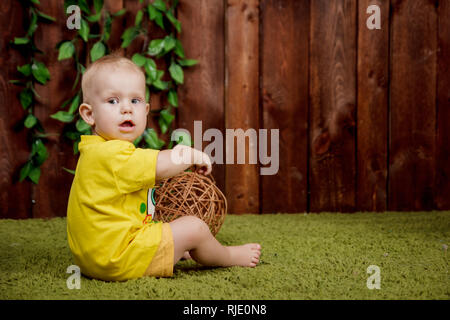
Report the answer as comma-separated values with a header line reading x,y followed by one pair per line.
x,y
190,194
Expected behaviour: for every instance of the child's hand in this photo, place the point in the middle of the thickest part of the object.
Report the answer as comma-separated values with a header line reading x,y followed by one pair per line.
x,y
202,163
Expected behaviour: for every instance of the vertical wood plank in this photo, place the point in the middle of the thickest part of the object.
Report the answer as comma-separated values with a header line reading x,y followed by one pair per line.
x,y
113,6
443,107
241,104
158,99
284,68
413,105
15,197
372,112
332,105
203,39
52,192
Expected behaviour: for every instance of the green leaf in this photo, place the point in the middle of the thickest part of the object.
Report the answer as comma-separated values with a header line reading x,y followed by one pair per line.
x,y
155,15
176,72
25,69
181,137
82,126
147,94
45,16
95,17
72,135
187,62
20,41
63,116
160,5
172,96
119,13
30,121
98,5
150,69
129,35
35,1
25,171
106,27
138,19
69,171
84,30
26,98
40,72
163,126
174,21
33,24
98,50
167,116
165,119
74,104
152,140
139,59
161,85
39,149
66,50
84,6
75,147
155,47
169,43
179,51
35,174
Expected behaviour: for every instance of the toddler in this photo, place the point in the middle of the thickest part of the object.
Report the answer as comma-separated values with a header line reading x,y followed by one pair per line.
x,y
109,233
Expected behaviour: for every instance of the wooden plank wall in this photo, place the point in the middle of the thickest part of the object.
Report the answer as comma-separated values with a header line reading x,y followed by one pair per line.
x,y
362,114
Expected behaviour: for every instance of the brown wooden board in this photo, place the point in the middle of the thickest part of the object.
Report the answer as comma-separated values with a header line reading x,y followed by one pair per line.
x,y
413,105
332,105
372,112
52,192
15,196
284,92
117,26
241,101
201,97
443,109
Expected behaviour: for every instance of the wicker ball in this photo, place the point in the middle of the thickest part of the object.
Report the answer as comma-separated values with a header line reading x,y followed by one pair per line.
x,y
190,194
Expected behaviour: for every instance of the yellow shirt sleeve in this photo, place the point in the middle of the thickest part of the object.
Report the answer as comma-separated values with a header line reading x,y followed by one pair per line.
x,y
136,169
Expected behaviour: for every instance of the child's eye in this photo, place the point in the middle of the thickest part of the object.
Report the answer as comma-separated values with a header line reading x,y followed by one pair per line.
x,y
135,101
113,101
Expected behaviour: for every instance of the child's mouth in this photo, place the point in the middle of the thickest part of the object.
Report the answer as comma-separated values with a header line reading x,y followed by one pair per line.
x,y
127,126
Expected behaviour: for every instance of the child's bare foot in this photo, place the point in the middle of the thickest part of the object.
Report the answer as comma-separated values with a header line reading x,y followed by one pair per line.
x,y
246,255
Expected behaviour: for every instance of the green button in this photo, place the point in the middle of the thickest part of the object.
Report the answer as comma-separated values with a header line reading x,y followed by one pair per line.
x,y
143,207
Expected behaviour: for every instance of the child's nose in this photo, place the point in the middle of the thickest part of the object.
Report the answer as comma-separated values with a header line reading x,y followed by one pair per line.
x,y
126,108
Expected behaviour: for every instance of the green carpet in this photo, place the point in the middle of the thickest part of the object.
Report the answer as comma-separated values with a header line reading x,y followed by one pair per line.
x,y
314,256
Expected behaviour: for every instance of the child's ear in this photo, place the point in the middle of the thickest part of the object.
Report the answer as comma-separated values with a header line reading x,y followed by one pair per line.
x,y
147,109
86,113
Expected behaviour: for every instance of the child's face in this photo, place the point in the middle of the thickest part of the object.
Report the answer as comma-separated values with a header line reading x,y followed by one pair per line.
x,y
117,107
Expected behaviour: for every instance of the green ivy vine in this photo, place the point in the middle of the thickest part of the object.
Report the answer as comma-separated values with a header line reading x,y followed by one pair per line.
x,y
158,12
32,72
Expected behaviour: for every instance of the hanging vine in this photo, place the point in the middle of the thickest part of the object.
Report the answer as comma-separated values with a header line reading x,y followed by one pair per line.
x,y
31,73
169,47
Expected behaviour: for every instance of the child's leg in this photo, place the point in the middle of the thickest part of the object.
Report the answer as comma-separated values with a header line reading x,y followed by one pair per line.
x,y
193,235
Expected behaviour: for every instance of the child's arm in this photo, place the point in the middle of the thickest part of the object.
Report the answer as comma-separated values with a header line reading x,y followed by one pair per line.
x,y
180,158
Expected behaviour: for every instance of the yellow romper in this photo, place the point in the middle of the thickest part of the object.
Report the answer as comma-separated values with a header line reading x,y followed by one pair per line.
x,y
109,228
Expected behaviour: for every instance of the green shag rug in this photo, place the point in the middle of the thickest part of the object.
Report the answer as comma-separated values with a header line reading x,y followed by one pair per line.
x,y
304,256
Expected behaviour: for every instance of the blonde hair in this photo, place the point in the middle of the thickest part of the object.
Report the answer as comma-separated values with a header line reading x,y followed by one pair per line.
x,y
114,59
